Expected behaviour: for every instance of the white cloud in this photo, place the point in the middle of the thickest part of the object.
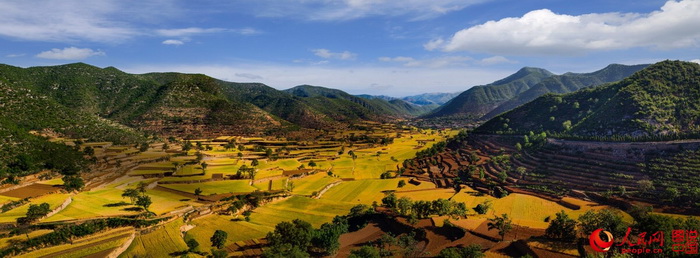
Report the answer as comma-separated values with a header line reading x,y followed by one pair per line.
x,y
15,55
330,10
184,32
496,60
437,62
69,53
356,80
327,54
249,76
543,32
695,61
173,42
69,20
434,44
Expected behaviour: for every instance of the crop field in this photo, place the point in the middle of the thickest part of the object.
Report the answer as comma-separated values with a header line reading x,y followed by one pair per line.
x,y
164,240
216,187
54,200
264,219
312,183
95,244
368,191
518,206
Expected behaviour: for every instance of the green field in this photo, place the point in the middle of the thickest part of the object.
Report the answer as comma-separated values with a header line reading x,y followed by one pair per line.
x,y
93,244
164,240
265,218
54,200
368,191
215,187
313,183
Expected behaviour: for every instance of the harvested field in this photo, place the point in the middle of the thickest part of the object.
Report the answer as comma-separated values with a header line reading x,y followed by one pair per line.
x,y
31,191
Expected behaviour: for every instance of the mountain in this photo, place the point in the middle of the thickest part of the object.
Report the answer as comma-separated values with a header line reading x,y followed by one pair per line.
x,y
568,82
660,100
430,98
474,103
342,106
384,97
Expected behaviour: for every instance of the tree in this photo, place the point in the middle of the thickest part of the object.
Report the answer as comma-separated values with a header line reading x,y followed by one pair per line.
x,y
204,166
215,253
521,171
297,233
218,240
402,183
646,186
71,183
34,213
503,224
240,154
133,194
192,244
89,151
187,146
325,239
144,147
441,206
483,207
672,194
470,251
562,227
312,164
254,163
144,201
166,146
366,251
390,201
608,219
141,187
404,205
198,191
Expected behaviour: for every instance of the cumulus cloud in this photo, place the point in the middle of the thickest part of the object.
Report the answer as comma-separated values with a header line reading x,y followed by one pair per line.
x,y
695,61
327,54
69,53
330,10
437,62
543,32
173,42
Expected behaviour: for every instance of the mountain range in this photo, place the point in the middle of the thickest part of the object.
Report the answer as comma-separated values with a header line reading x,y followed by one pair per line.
x,y
487,101
661,99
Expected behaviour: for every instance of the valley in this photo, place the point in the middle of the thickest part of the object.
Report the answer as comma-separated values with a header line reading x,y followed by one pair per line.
x,y
207,168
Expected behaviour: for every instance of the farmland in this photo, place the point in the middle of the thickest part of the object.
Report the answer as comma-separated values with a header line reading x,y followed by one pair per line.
x,y
193,185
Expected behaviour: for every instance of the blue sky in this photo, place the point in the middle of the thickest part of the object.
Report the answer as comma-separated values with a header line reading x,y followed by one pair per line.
x,y
388,47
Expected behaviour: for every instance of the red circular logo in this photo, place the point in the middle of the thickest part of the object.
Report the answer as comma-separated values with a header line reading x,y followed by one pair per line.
x,y
598,243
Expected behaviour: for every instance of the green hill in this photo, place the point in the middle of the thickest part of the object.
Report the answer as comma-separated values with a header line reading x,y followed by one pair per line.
x,y
479,100
344,107
660,101
565,83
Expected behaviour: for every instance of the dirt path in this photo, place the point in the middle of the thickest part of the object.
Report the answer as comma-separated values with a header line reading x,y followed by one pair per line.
x,y
329,186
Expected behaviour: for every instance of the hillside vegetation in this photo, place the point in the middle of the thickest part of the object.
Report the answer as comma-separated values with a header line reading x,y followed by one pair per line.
x,y
659,101
479,100
565,83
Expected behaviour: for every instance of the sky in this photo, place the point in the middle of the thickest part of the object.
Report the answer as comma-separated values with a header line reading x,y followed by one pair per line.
x,y
379,47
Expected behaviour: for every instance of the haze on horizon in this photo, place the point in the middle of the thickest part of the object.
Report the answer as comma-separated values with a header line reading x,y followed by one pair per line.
x,y
394,48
